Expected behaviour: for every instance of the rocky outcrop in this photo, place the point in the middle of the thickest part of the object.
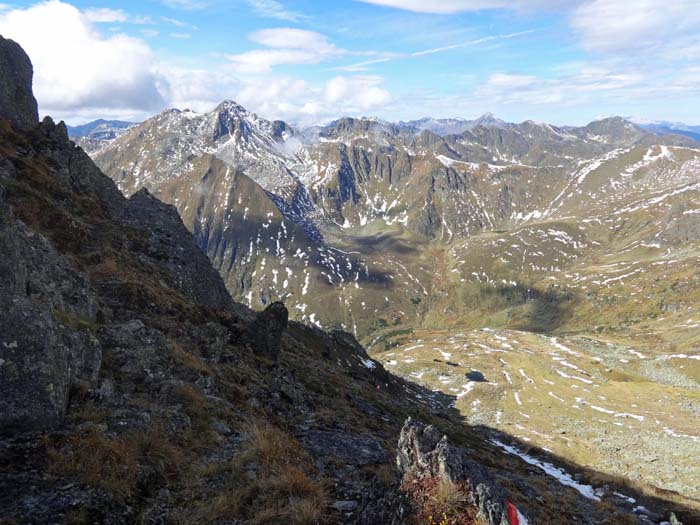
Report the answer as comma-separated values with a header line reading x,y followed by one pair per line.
x,y
17,103
425,453
172,247
265,333
46,341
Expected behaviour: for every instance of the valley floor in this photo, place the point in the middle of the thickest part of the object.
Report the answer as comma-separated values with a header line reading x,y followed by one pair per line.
x,y
613,408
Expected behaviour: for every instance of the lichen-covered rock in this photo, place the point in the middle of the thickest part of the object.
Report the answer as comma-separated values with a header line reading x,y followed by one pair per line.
x,y
17,103
264,334
138,353
423,452
46,340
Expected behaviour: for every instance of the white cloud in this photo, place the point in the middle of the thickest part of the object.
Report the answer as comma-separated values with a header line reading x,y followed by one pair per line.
x,y
284,46
181,36
276,96
105,14
150,32
173,21
387,57
274,9
458,6
613,26
82,74
284,37
187,5
299,101
78,68
595,84
362,93
511,81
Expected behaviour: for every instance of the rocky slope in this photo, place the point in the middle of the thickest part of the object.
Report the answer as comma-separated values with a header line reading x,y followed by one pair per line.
x,y
134,390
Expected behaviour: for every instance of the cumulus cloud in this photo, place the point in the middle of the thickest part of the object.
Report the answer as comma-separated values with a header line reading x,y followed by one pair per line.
x,y
284,46
82,74
278,96
78,68
361,93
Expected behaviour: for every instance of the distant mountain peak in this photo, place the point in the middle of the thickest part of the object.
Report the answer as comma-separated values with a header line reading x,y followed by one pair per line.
x,y
488,119
231,106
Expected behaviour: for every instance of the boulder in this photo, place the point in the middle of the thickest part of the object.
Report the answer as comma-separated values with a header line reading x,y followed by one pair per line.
x,y
353,449
264,334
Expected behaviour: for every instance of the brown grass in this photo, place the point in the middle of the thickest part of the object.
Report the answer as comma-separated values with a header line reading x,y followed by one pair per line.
x,y
273,447
115,464
271,482
438,501
88,411
188,359
111,464
198,410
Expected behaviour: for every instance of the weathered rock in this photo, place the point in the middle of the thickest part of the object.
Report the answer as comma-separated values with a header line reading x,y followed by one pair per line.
x,y
17,103
172,247
46,340
345,506
136,351
264,334
353,449
423,452
221,428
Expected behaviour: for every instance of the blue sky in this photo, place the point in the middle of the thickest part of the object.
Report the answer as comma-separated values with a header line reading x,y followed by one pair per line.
x,y
308,61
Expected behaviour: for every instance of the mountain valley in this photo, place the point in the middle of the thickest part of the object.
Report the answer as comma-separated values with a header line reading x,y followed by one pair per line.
x,y
451,245
218,318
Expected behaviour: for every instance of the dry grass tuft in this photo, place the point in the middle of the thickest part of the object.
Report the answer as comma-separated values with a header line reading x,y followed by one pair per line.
x,y
438,501
271,482
111,464
187,359
116,464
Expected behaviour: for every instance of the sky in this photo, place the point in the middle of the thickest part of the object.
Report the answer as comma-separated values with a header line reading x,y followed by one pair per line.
x,y
310,61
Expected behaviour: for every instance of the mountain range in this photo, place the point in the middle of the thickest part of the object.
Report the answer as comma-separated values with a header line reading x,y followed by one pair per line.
x,y
403,233
677,128
183,315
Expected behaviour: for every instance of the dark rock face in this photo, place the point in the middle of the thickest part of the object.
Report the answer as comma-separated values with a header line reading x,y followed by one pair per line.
x,y
46,346
49,337
172,247
17,104
424,452
264,334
